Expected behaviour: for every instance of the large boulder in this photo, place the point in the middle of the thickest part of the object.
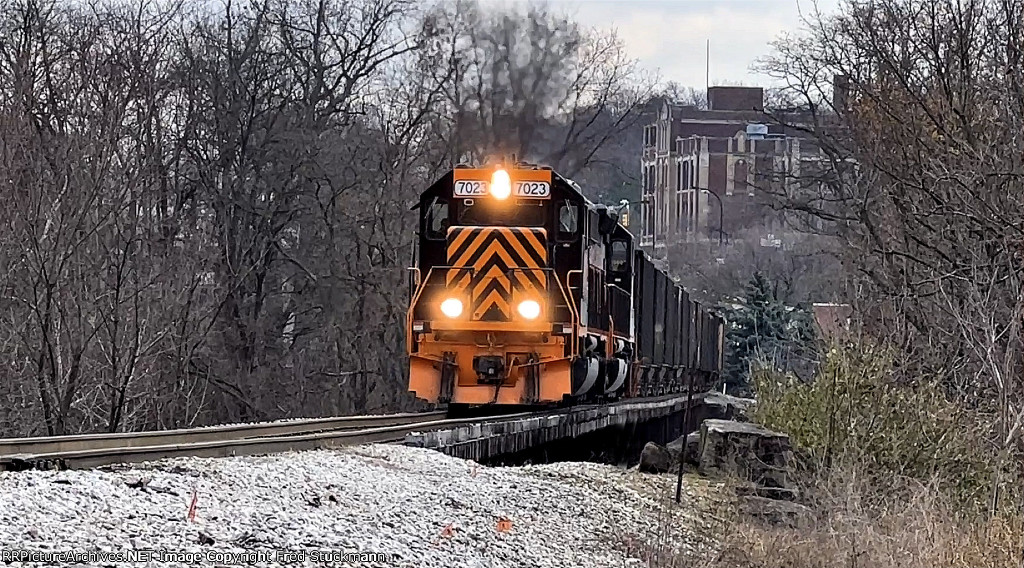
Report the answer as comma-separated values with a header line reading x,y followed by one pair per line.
x,y
691,452
688,445
719,406
747,451
656,459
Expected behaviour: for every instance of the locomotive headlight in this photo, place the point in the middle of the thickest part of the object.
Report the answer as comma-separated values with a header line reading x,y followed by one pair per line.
x,y
451,307
529,309
501,184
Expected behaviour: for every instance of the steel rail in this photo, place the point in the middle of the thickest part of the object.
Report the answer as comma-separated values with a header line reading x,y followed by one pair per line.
x,y
95,457
245,439
81,442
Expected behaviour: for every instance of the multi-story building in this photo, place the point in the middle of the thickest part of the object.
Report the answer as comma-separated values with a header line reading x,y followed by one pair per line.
x,y
701,169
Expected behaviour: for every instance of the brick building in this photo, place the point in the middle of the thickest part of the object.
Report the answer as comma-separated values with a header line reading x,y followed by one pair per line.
x,y
695,161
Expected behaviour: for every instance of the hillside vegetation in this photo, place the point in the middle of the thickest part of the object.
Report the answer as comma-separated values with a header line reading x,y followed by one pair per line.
x,y
207,204
910,435
892,475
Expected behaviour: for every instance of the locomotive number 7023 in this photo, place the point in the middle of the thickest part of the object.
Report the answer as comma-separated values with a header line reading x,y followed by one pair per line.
x,y
532,189
466,188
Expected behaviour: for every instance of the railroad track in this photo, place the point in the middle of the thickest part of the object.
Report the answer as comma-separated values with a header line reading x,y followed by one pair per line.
x,y
94,450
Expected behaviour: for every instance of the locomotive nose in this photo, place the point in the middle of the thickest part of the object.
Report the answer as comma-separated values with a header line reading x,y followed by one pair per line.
x,y
502,272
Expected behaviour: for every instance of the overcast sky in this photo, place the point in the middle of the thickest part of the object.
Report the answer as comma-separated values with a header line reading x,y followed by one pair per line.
x,y
670,35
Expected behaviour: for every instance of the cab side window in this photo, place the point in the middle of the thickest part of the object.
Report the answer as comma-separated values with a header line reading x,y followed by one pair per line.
x,y
436,222
593,224
620,256
568,221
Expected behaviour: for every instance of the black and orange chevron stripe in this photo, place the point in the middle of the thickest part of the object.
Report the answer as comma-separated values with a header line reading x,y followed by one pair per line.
x,y
493,253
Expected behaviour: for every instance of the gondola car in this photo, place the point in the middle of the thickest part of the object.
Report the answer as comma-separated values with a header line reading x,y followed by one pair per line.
x,y
526,293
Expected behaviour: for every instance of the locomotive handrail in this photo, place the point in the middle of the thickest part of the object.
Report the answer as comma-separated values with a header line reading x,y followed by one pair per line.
x,y
416,300
572,307
569,274
416,282
611,307
565,296
573,339
573,316
617,287
412,308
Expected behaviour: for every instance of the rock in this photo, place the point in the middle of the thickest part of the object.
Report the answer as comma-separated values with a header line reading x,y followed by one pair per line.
x,y
691,452
774,512
138,483
655,459
205,539
747,451
688,445
718,406
777,493
674,448
246,539
386,498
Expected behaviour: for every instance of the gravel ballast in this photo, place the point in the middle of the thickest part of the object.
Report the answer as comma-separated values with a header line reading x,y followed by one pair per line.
x,y
418,507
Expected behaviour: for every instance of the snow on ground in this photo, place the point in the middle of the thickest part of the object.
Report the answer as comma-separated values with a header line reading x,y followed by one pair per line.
x,y
422,508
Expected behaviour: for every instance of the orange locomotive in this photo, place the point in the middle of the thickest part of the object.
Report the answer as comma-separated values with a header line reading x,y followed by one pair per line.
x,y
526,293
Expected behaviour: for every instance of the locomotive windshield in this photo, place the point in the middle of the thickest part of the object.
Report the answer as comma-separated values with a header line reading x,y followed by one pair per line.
x,y
437,219
620,256
518,213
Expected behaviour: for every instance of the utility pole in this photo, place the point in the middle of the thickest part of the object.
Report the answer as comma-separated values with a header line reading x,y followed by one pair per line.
x,y
707,72
686,432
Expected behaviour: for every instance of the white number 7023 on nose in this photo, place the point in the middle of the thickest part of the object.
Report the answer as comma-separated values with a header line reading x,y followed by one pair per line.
x,y
468,188
532,189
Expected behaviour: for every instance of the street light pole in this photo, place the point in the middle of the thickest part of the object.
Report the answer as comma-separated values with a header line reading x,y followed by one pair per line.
x,y
721,212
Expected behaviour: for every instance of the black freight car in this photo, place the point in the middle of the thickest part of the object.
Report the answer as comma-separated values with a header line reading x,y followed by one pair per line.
x,y
677,338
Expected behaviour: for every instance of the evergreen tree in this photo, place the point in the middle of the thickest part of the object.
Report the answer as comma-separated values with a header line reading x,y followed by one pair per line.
x,y
761,330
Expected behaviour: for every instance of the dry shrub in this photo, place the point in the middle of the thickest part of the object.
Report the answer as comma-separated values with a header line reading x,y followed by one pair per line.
x,y
856,525
855,415
891,474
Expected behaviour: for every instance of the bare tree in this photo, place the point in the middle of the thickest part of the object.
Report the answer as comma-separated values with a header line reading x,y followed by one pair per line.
x,y
209,204
923,181
530,82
